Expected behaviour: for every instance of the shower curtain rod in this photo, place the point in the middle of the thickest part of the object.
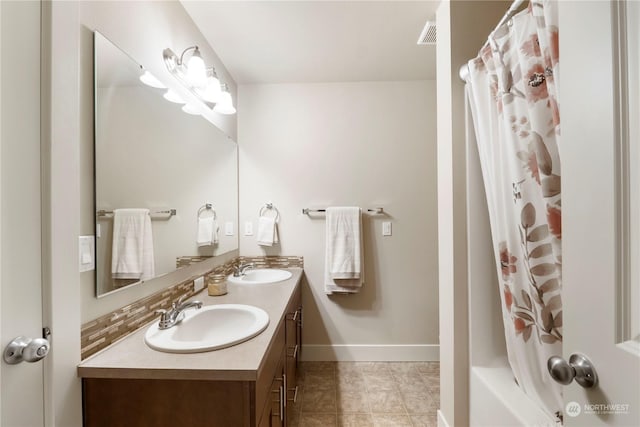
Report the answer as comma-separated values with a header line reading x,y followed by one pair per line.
x,y
513,9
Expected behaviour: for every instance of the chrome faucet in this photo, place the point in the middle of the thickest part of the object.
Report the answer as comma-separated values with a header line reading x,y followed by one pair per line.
x,y
241,269
173,316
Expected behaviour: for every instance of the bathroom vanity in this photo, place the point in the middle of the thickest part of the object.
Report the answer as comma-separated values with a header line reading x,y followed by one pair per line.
x,y
248,384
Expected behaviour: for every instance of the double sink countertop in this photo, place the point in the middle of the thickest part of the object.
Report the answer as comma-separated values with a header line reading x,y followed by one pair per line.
x,y
132,358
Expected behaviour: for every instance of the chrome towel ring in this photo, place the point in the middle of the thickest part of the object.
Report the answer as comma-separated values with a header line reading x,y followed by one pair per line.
x,y
268,207
207,207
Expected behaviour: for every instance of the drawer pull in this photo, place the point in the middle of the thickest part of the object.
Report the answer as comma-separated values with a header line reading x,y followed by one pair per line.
x,y
294,399
295,315
295,352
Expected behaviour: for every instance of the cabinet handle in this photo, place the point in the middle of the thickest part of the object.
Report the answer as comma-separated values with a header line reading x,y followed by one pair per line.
x,y
295,315
284,390
282,400
295,352
294,399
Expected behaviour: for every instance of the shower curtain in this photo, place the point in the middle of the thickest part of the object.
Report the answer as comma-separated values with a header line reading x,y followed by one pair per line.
x,y
512,91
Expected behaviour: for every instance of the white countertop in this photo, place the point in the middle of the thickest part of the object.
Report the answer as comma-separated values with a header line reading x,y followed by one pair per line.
x,y
132,358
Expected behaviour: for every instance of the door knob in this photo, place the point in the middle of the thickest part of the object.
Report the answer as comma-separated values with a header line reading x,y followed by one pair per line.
x,y
24,349
578,367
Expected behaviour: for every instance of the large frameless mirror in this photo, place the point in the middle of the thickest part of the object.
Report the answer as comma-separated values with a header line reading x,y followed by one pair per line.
x,y
151,155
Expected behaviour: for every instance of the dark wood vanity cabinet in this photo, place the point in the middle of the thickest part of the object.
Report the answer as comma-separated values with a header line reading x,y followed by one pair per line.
x,y
284,387
265,402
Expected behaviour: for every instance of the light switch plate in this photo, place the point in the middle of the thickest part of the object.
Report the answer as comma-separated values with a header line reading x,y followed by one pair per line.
x,y
86,253
386,228
248,228
228,228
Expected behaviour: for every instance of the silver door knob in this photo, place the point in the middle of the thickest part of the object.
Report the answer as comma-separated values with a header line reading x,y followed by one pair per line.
x,y
578,367
24,349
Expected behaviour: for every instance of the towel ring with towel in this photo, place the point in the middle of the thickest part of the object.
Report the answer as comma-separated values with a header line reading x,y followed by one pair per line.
x,y
207,207
268,207
267,234
207,226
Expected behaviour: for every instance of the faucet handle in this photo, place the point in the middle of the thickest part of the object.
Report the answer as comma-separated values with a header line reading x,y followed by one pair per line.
x,y
179,302
163,314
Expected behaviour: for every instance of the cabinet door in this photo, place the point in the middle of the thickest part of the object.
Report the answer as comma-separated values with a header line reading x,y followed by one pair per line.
x,y
278,398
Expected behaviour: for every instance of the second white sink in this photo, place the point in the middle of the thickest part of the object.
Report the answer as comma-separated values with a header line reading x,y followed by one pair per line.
x,y
210,328
261,276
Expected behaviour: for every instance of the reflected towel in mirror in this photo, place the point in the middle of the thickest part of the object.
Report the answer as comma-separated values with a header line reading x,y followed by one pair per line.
x,y
132,249
207,231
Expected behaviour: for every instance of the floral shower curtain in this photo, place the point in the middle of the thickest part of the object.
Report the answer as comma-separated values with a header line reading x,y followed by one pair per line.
x,y
512,90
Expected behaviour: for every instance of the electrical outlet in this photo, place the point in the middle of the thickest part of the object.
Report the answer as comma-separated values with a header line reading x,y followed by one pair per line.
x,y
198,283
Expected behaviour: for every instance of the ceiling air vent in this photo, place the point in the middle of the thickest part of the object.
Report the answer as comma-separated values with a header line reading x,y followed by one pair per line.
x,y
428,35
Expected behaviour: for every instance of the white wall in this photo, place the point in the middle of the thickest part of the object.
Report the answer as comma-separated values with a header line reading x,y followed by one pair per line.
x,y
463,26
364,144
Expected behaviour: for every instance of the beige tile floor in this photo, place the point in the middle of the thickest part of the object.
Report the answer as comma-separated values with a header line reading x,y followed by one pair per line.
x,y
367,394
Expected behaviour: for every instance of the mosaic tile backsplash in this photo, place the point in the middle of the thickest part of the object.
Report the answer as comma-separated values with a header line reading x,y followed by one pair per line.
x,y
99,333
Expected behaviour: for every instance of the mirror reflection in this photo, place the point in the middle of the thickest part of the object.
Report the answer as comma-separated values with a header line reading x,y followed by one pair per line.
x,y
166,181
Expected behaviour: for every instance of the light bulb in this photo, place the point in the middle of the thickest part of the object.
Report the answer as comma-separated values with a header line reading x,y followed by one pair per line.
x,y
190,109
225,104
196,70
151,80
171,96
211,91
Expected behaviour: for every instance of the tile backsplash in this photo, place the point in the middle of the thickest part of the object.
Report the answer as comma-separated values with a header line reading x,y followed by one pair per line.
x,y
105,330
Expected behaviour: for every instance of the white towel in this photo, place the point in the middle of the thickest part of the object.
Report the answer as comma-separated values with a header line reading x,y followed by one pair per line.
x,y
344,268
267,234
207,231
132,251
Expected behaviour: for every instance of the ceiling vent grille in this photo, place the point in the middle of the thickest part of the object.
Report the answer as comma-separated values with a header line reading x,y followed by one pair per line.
x,y
428,35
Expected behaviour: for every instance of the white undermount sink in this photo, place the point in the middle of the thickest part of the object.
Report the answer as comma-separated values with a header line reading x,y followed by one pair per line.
x,y
209,328
260,276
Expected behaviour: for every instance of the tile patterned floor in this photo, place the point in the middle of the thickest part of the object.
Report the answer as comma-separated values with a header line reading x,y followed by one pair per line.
x,y
367,394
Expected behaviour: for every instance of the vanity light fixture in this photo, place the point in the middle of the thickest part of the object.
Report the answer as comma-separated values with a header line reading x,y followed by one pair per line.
x,y
151,80
200,80
212,89
225,104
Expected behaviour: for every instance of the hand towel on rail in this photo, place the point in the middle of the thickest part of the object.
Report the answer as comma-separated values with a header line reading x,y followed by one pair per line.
x,y
132,248
267,234
208,230
344,258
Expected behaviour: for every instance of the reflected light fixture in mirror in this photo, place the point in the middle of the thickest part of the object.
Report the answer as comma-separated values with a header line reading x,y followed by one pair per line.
x,y
171,96
151,80
191,109
199,79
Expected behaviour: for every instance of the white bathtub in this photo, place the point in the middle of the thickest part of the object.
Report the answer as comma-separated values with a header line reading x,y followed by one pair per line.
x,y
496,400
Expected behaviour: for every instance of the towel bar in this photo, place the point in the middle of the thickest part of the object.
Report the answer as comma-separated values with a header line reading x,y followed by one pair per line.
x,y
170,212
307,211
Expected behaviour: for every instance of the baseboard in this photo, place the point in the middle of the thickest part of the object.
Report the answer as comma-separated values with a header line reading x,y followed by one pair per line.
x,y
442,422
371,353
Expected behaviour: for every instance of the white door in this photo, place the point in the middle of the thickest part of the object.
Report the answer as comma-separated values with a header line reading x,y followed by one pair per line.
x,y
21,385
601,190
